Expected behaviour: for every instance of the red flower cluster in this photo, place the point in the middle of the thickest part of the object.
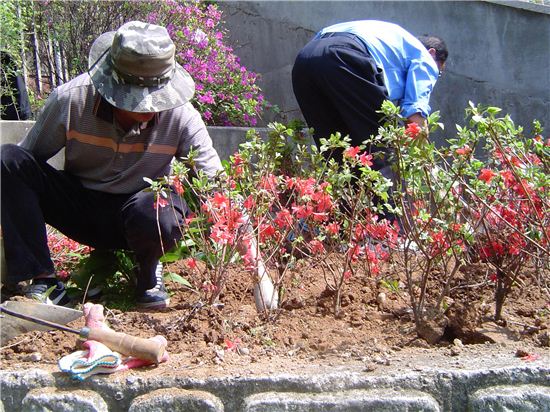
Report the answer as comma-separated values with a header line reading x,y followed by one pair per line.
x,y
65,253
226,219
412,130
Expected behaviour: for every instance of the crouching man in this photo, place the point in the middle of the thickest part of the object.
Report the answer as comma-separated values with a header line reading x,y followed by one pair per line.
x,y
123,120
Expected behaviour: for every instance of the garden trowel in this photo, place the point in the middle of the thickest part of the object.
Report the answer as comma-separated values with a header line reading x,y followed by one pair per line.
x,y
17,317
11,326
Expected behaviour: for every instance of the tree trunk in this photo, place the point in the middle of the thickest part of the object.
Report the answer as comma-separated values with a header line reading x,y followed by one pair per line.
x,y
58,64
36,51
51,67
22,48
500,294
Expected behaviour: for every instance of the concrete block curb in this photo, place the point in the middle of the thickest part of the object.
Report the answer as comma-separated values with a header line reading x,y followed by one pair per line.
x,y
525,388
512,398
176,400
226,140
52,399
348,401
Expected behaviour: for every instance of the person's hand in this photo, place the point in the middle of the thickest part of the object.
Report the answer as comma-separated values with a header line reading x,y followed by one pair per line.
x,y
422,124
265,294
418,119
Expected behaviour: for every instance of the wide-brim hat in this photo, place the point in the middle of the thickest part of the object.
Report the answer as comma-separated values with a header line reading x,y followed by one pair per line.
x,y
134,69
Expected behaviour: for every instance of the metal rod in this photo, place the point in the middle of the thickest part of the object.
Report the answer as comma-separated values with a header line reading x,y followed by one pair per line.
x,y
38,321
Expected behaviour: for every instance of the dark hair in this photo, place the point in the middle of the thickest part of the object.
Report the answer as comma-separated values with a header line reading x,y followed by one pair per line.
x,y
433,42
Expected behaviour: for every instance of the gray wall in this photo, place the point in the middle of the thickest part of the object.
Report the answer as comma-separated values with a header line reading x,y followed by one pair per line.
x,y
499,52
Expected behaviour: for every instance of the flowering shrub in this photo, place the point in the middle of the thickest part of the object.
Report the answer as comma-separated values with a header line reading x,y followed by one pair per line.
x,y
443,210
507,196
227,93
457,209
318,212
65,253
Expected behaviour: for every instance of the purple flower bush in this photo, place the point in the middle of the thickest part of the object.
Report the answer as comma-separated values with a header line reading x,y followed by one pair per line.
x,y
226,92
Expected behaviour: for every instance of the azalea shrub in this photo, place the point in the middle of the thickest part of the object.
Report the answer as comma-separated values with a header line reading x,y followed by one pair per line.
x,y
226,92
507,196
482,197
431,241
304,204
65,253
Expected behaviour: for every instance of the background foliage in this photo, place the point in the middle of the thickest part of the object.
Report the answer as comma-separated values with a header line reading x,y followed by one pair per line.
x,y
51,39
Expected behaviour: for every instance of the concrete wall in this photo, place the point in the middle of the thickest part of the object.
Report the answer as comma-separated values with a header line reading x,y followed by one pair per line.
x,y
499,51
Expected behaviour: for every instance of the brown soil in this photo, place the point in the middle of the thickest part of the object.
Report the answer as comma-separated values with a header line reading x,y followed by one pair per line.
x,y
305,330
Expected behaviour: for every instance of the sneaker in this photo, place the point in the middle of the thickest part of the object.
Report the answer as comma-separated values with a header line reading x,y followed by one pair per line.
x,y
157,297
94,294
48,290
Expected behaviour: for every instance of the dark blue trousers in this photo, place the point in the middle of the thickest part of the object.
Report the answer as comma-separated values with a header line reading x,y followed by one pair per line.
x,y
339,88
34,193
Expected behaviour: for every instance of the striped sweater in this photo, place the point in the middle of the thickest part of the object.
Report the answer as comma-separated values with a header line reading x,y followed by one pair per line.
x,y
102,155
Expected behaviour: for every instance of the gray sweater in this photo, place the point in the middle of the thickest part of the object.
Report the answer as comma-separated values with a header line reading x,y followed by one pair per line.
x,y
102,155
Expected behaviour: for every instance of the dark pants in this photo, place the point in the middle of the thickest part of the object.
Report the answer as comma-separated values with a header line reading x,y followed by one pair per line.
x,y
34,193
339,88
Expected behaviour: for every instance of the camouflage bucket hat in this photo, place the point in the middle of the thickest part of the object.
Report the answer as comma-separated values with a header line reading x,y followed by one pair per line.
x,y
134,69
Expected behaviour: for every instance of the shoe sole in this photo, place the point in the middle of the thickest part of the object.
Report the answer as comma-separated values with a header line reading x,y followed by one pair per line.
x,y
154,305
48,301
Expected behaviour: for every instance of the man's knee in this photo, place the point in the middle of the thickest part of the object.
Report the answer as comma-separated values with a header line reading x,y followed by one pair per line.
x,y
145,218
10,155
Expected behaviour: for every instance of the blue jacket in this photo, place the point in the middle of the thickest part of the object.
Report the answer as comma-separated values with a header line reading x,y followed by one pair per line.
x,y
409,70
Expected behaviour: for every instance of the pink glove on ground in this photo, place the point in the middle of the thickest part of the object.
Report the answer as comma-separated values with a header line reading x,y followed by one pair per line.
x,y
97,357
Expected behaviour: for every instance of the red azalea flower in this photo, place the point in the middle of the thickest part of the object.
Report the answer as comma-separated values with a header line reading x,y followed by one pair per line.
x,y
191,263
352,151
237,159
303,211
220,235
283,219
189,218
305,187
347,275
161,202
178,187
333,228
463,151
249,202
238,171
365,159
316,247
220,201
508,177
269,183
232,346
531,357
324,201
486,175
267,231
412,130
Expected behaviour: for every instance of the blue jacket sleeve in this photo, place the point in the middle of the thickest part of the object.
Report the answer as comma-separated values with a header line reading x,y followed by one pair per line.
x,y
421,78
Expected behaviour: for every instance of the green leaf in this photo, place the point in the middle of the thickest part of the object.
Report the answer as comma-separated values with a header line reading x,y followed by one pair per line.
x,y
174,277
170,257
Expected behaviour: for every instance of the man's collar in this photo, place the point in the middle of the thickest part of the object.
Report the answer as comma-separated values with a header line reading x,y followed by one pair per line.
x,y
104,110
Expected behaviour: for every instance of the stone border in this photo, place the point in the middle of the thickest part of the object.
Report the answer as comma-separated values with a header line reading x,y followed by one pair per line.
x,y
515,388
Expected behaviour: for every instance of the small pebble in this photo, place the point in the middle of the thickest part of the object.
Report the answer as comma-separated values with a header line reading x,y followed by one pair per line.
x,y
33,357
370,367
458,343
243,351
